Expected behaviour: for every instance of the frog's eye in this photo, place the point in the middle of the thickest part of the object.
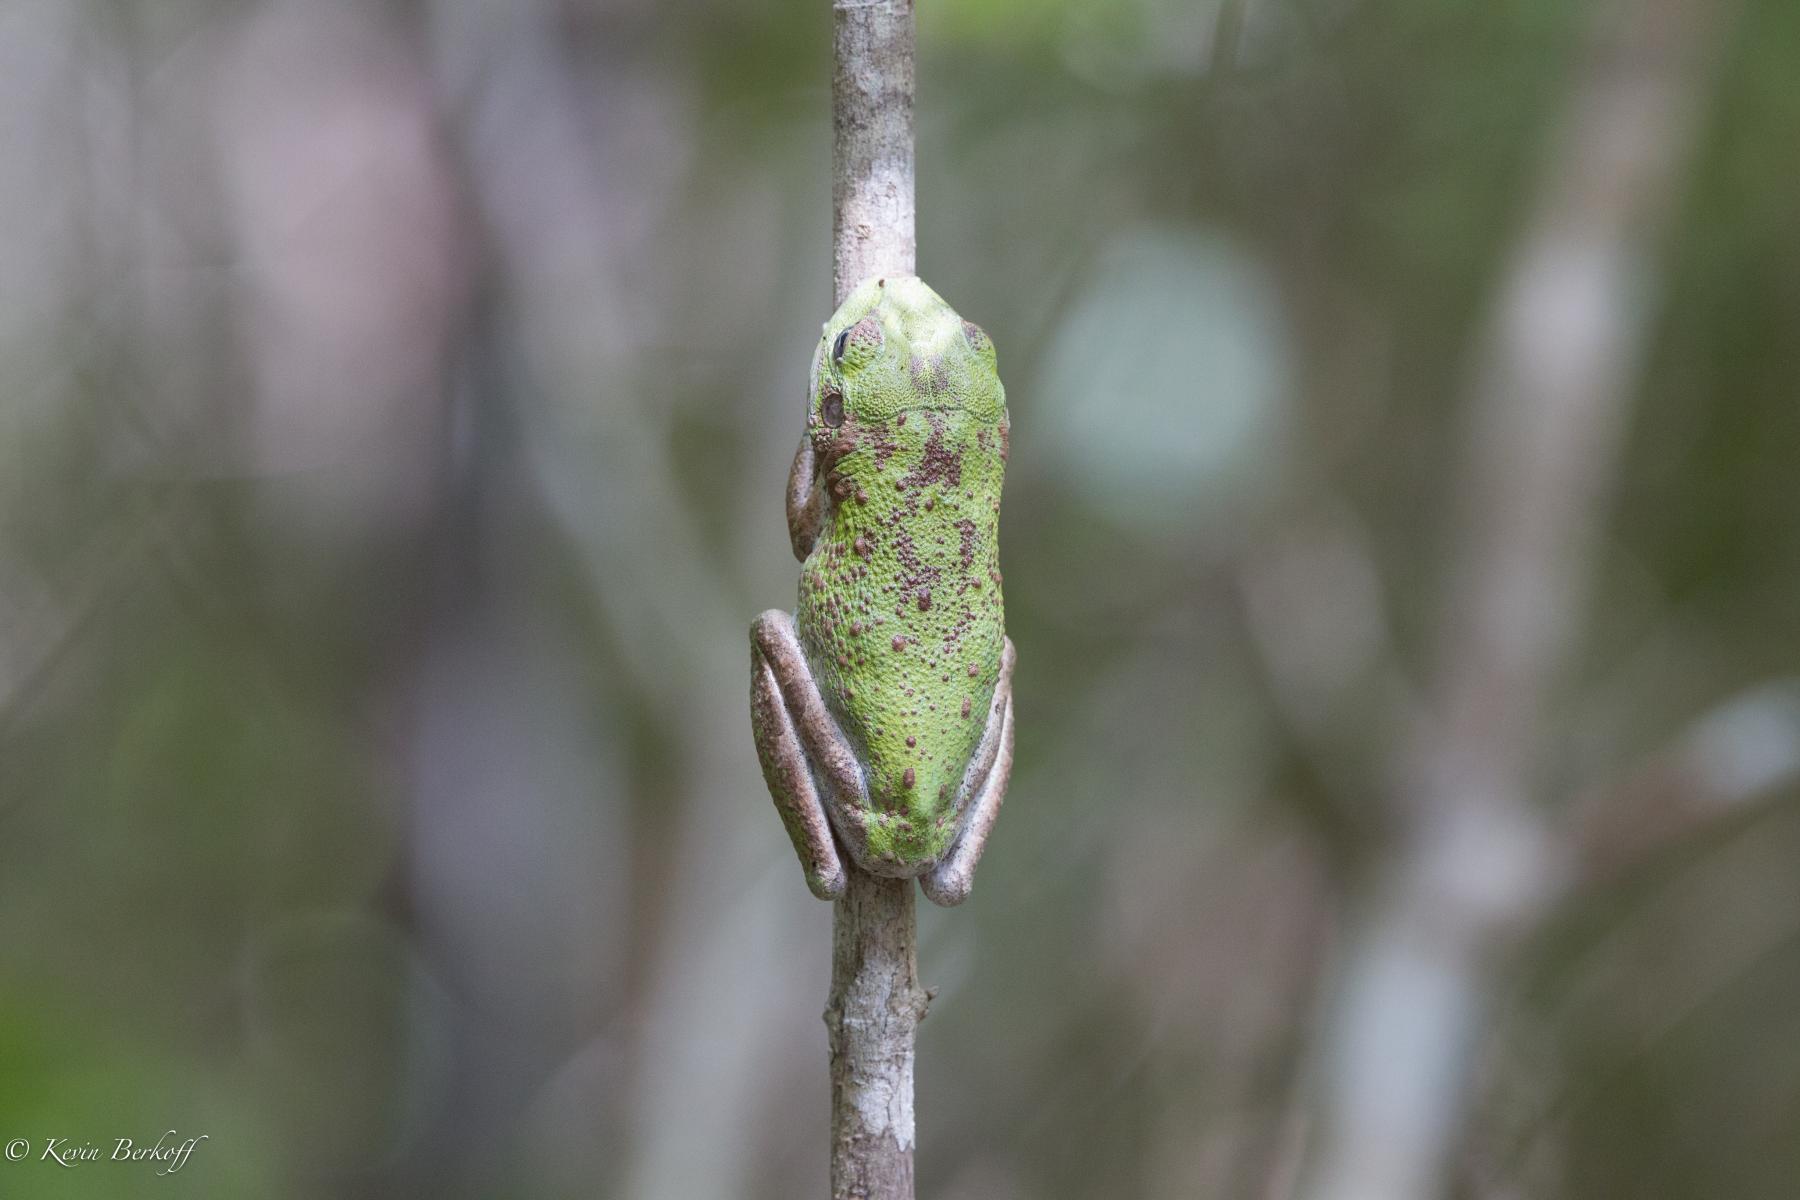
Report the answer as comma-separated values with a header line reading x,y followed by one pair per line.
x,y
978,339
833,407
856,346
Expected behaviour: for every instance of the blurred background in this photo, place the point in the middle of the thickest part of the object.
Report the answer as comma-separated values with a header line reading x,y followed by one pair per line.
x,y
395,405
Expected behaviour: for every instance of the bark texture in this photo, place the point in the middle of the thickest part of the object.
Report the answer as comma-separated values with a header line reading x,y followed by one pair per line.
x,y
872,151
876,1003
873,1016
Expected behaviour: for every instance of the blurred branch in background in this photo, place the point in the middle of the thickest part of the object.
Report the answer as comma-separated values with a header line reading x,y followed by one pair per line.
x,y
1738,753
575,164
1477,856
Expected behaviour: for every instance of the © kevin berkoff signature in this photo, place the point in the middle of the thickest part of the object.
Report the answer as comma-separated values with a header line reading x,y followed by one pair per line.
x,y
168,1153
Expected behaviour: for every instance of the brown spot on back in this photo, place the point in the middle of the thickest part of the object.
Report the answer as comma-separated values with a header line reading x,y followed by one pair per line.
x,y
966,528
938,463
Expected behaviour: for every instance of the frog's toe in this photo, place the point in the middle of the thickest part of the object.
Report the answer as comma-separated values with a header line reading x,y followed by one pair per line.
x,y
828,883
947,884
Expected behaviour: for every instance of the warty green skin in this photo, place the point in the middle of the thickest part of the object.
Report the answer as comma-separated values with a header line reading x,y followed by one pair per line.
x,y
900,628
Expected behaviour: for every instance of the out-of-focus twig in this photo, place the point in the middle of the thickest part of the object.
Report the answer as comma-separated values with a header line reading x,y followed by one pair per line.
x,y
569,170
1739,751
1476,861
574,162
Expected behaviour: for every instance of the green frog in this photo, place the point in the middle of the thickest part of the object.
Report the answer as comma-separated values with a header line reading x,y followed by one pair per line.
x,y
882,706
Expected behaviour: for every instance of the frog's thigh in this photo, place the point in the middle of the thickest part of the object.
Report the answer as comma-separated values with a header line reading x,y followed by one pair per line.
x,y
785,766
949,882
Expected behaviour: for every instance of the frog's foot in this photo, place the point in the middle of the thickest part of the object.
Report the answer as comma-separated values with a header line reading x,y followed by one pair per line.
x,y
800,747
949,882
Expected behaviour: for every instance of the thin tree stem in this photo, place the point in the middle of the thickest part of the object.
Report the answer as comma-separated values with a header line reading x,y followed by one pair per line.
x,y
873,1016
876,1003
872,151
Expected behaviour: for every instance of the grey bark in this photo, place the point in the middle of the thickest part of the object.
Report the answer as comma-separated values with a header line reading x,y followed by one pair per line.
x,y
872,144
873,1016
876,1002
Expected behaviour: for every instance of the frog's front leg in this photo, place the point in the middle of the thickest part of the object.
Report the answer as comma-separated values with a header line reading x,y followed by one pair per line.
x,y
949,882
801,749
805,502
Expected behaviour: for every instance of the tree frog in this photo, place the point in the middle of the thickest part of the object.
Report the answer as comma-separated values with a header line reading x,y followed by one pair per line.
x,y
882,706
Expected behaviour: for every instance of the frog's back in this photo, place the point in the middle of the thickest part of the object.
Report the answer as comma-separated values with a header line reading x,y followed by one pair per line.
x,y
902,616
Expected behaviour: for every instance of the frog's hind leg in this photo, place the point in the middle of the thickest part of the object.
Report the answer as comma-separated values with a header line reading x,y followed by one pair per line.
x,y
949,882
793,734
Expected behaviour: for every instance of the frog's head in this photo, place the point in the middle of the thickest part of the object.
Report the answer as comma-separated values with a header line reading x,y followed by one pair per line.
x,y
895,346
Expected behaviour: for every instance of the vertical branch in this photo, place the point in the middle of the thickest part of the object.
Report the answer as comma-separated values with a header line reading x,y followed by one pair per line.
x,y
872,142
1477,860
873,1016
876,1003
